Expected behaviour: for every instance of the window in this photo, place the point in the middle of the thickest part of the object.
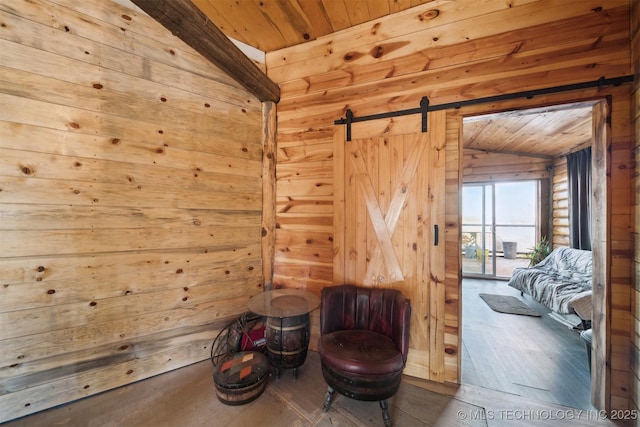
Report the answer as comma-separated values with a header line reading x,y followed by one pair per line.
x,y
499,226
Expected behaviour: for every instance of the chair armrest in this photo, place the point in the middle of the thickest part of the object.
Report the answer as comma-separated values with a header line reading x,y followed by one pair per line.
x,y
402,324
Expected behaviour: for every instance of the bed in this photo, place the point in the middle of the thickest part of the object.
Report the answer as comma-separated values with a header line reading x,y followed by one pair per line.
x,y
560,282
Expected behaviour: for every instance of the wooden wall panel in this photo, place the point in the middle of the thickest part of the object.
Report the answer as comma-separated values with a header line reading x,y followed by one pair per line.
x,y
304,213
560,197
269,146
622,219
130,203
481,166
452,348
459,52
634,386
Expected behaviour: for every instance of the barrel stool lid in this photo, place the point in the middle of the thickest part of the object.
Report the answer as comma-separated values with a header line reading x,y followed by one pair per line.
x,y
241,370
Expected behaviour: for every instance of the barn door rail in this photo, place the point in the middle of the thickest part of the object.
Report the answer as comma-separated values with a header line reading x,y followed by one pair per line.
x,y
425,107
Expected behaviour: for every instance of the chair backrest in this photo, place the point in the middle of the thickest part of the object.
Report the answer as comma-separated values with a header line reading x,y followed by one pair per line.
x,y
386,311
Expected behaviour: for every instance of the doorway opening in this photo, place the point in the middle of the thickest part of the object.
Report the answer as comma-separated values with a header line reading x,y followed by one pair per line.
x,y
535,357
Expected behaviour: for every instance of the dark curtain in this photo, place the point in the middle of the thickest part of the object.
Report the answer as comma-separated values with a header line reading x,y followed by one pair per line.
x,y
579,177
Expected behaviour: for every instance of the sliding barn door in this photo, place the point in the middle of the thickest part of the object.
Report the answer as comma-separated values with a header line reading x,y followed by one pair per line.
x,y
389,226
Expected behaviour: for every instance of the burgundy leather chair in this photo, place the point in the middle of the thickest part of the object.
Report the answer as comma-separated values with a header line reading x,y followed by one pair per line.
x,y
364,340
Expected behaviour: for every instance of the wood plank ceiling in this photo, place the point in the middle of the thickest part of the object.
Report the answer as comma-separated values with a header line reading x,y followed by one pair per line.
x,y
269,25
549,131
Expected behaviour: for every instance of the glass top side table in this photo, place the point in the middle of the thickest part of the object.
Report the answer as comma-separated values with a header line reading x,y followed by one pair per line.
x,y
283,303
287,327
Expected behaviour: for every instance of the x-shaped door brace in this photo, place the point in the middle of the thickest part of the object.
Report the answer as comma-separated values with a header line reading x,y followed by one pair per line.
x,y
385,225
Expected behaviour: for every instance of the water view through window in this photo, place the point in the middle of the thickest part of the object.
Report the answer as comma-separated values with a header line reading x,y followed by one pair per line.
x,y
499,226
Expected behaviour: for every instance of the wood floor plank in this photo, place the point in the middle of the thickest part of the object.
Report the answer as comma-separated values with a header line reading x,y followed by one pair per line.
x,y
534,357
296,391
186,397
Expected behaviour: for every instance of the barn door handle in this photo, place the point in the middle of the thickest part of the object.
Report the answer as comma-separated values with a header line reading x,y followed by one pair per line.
x,y
435,235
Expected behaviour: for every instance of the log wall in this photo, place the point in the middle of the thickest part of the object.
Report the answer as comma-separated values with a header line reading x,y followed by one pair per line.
x,y
481,166
560,198
451,51
130,201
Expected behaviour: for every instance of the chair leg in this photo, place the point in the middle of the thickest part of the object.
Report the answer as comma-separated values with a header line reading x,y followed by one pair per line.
x,y
386,416
328,399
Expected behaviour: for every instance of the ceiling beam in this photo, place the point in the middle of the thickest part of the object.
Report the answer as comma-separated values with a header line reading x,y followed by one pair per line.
x,y
192,26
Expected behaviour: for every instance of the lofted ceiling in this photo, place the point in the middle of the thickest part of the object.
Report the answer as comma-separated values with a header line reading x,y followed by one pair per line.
x,y
269,25
549,131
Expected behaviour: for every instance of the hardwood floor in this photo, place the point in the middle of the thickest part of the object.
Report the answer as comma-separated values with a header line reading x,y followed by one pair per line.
x,y
533,357
186,397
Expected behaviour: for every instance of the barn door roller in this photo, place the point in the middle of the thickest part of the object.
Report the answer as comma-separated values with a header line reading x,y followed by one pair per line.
x,y
424,108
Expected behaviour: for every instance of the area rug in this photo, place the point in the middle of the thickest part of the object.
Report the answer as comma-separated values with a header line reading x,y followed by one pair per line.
x,y
508,304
